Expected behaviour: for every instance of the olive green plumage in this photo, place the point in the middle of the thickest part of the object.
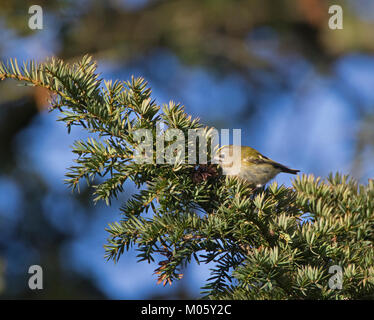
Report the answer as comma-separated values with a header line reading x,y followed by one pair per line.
x,y
253,167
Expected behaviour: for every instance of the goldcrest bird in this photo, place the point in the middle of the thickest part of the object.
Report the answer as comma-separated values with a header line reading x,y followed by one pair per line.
x,y
253,167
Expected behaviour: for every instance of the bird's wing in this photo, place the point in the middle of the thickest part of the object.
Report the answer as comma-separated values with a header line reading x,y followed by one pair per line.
x,y
258,159
261,159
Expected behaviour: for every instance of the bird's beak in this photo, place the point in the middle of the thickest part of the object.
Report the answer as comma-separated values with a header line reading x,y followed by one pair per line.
x,y
222,161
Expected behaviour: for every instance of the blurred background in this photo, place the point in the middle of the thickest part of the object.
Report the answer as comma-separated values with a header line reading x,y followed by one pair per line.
x,y
302,93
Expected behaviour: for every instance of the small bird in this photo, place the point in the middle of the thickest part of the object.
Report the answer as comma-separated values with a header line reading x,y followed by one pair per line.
x,y
253,167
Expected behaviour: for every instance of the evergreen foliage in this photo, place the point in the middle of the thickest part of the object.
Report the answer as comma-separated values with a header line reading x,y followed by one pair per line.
x,y
276,243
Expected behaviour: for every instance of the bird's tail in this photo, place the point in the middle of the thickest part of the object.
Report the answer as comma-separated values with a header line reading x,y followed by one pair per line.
x,y
286,169
292,171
